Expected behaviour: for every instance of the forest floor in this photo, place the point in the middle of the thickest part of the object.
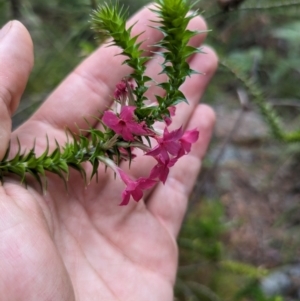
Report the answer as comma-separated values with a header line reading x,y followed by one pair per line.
x,y
255,178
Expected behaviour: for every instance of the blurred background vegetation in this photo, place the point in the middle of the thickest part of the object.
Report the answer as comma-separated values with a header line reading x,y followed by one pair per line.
x,y
244,215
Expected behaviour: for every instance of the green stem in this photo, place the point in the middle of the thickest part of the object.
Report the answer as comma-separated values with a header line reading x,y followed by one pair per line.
x,y
271,118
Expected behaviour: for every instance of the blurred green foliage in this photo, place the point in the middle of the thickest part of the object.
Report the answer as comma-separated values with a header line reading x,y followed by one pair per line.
x,y
257,43
206,271
265,47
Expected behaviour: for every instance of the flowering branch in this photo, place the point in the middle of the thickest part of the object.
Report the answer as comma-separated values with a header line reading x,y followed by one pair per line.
x,y
110,21
131,123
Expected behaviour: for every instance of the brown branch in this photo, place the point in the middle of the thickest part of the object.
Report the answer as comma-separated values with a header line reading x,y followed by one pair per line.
x,y
228,5
15,6
93,4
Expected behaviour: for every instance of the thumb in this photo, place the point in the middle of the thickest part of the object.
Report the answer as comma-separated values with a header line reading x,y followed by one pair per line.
x,y
16,61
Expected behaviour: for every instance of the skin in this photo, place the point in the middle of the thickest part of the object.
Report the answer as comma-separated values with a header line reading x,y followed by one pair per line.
x,y
79,244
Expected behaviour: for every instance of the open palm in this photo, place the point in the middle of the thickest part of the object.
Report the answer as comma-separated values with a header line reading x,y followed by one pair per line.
x,y
79,244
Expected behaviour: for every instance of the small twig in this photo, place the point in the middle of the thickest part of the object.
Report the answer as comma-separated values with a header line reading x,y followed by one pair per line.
x,y
203,290
228,5
93,4
285,102
15,9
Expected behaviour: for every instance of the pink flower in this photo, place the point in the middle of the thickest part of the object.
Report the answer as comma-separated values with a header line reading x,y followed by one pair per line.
x,y
168,144
125,125
168,119
186,141
121,90
161,170
134,188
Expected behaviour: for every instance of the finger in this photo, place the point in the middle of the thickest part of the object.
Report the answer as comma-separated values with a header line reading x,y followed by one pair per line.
x,y
168,202
16,61
193,88
89,88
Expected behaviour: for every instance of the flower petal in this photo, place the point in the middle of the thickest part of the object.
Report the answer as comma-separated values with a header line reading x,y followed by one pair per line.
x,y
125,198
110,119
137,194
127,113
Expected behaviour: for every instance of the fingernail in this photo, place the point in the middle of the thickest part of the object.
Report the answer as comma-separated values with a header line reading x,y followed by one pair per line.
x,y
5,29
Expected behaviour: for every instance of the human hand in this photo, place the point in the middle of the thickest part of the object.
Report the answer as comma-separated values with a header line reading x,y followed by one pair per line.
x,y
79,244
